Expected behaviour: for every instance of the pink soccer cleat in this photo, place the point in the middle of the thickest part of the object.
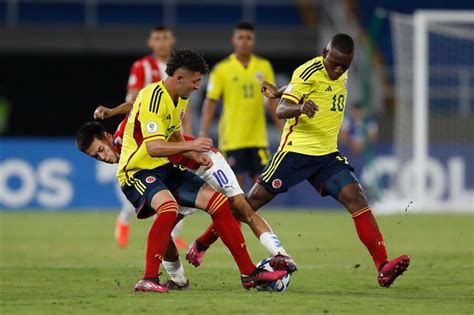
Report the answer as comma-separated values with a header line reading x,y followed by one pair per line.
x,y
194,256
392,270
283,262
261,277
151,285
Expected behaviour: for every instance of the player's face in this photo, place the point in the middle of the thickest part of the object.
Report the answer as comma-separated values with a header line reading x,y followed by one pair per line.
x,y
243,41
161,43
102,150
188,82
336,63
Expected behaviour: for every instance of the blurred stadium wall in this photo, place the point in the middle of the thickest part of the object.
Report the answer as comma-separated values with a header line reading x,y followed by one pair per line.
x,y
60,59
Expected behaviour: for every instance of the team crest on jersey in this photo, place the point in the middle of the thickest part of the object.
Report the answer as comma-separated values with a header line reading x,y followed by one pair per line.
x,y
345,84
151,127
150,179
276,183
259,76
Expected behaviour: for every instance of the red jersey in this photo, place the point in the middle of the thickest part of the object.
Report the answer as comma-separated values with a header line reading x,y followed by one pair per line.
x,y
144,71
177,159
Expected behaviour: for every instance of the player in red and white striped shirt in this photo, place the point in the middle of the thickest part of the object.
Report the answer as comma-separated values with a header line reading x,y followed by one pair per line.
x,y
151,68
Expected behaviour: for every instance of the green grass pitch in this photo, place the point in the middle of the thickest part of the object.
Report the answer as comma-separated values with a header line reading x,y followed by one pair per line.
x,y
68,263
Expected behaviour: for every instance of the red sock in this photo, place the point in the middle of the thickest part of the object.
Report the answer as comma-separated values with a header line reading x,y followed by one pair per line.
x,y
159,237
369,234
209,236
229,231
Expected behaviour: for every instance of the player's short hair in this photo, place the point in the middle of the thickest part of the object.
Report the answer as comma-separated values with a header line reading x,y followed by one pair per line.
x,y
187,59
161,28
343,43
87,133
246,26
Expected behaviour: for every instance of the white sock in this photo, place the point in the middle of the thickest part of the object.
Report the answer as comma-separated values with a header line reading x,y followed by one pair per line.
x,y
176,271
177,229
271,242
126,213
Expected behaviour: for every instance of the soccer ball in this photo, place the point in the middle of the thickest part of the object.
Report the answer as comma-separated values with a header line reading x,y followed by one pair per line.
x,y
279,285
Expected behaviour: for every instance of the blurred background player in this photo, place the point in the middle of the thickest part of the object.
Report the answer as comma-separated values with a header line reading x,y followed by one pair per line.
x,y
146,70
358,130
242,126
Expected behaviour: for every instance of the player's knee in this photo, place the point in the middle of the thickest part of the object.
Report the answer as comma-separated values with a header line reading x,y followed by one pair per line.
x,y
353,197
258,196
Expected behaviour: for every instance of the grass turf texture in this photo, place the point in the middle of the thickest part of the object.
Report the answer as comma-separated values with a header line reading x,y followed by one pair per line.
x,y
68,263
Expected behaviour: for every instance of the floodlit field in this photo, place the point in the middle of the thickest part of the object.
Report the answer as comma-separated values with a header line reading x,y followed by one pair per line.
x,y
68,263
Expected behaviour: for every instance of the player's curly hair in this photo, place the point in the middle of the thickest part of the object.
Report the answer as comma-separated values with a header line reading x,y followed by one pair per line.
x,y
187,59
87,133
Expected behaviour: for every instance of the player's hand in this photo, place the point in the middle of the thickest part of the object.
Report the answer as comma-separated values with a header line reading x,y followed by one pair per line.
x,y
102,112
204,160
201,144
309,108
269,90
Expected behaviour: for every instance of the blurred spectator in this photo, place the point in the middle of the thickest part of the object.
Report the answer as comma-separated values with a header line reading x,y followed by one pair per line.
x,y
357,130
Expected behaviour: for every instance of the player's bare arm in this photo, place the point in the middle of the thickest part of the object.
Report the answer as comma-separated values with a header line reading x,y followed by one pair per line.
x,y
289,109
272,106
132,94
271,91
162,148
208,111
102,112
200,158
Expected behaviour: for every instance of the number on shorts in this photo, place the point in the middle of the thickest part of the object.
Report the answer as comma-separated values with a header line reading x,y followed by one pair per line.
x,y
221,178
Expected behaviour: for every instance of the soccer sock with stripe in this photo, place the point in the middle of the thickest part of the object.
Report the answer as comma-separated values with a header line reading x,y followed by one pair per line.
x,y
271,242
229,231
370,235
159,237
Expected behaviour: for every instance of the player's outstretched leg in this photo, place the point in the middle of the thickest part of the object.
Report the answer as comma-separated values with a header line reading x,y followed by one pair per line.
x,y
352,197
229,231
158,241
243,212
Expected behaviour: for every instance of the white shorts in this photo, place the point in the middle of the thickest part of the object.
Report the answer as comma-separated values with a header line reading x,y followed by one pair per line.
x,y
220,177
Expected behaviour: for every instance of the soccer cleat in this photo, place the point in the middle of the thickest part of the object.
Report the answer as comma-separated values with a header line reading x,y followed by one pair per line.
x,y
121,233
194,256
151,285
392,269
171,285
180,243
261,277
283,262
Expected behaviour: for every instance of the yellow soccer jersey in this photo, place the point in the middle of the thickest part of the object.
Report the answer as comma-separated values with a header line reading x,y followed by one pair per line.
x,y
154,116
242,123
317,135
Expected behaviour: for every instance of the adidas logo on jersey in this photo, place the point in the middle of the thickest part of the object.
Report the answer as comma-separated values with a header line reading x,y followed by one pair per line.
x,y
168,117
328,89
290,143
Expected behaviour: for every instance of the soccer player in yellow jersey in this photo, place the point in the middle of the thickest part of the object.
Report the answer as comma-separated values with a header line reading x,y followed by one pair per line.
x,y
313,105
242,127
153,185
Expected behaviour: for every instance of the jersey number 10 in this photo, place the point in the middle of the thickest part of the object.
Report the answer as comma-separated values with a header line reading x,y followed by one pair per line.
x,y
338,101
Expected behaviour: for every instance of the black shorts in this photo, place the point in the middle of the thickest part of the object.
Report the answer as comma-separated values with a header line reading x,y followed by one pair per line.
x,y
286,169
247,160
144,184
